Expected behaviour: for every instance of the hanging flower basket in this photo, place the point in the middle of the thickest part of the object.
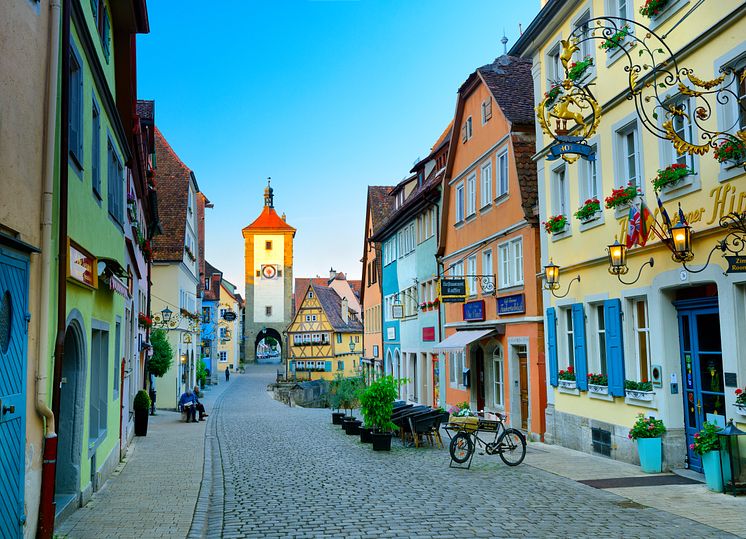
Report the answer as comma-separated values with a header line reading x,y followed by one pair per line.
x,y
555,224
621,196
651,8
578,69
671,175
731,150
588,210
144,321
617,39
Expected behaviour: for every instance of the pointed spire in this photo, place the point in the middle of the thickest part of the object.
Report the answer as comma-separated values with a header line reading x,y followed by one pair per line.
x,y
269,197
504,41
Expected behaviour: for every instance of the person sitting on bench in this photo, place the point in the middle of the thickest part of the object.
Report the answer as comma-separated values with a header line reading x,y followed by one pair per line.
x,y
200,406
187,403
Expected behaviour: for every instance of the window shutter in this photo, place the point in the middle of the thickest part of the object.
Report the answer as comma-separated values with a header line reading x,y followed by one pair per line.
x,y
614,346
106,38
581,362
328,366
552,346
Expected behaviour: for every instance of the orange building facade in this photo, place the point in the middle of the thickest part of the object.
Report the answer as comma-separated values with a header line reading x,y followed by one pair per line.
x,y
493,341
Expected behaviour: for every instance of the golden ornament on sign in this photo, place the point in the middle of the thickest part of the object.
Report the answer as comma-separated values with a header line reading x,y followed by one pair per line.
x,y
706,84
682,146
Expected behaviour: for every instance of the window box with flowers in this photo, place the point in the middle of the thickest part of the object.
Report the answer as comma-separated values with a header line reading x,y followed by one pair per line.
x,y
598,384
424,306
144,321
652,8
740,403
671,177
567,382
731,152
589,211
620,198
555,224
641,391
189,253
578,69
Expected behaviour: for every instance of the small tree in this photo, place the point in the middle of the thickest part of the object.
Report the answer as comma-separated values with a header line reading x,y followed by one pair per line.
x,y
201,372
377,403
163,354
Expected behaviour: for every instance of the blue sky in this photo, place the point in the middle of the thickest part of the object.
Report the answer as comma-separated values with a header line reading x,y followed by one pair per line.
x,y
325,96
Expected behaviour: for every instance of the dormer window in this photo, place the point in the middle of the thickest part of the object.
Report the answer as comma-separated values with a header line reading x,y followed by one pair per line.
x,y
486,110
466,131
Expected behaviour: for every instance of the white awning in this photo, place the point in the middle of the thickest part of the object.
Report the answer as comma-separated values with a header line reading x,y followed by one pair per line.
x,y
461,339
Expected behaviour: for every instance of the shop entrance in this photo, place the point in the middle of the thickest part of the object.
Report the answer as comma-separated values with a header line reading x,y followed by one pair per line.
x,y
523,384
479,357
701,365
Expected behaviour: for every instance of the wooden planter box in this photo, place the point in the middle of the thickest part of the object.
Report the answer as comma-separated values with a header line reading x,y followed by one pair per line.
x,y
469,424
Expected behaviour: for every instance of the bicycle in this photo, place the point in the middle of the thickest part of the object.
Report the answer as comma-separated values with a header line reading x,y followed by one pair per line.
x,y
509,443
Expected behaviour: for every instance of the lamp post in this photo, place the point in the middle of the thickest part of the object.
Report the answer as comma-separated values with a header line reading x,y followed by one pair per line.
x,y
618,262
732,460
552,277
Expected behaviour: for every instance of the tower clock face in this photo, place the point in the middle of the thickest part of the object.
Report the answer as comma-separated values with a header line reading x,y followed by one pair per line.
x,y
269,271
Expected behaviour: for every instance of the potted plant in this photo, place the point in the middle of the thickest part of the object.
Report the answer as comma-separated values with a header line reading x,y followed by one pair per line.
x,y
707,445
731,150
461,414
740,401
671,175
615,40
641,391
555,224
335,401
377,404
144,321
141,406
589,210
552,94
567,378
598,383
578,69
622,196
348,400
423,306
647,431
651,8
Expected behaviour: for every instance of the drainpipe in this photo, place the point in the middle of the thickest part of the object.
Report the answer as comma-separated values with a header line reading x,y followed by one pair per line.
x,y
45,527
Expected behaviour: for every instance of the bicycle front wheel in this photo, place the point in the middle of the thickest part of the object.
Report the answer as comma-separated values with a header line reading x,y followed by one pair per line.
x,y
461,447
512,447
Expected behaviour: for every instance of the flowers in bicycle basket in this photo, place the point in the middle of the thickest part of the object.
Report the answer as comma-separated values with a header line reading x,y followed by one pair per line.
x,y
569,374
461,409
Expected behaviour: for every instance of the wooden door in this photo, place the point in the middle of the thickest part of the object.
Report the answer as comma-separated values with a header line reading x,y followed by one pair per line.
x,y
480,378
523,382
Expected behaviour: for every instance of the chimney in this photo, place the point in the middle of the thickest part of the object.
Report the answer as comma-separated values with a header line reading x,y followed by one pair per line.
x,y
345,311
332,274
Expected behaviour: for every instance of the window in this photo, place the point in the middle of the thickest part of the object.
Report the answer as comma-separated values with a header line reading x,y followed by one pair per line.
x,y
471,269
117,358
502,174
339,338
115,186
313,318
486,185
340,365
741,91
310,294
629,158
555,71
561,189
641,338
583,31
205,315
268,245
510,256
306,338
459,203
487,263
569,340
497,369
96,151
590,186
308,318
457,269
316,337
223,356
75,122
103,25
466,130
456,369
297,339
486,110
268,310
682,125
98,403
222,313
620,9
471,195
600,339
223,333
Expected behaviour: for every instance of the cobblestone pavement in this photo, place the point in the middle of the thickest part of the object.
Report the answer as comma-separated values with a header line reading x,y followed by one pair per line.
x,y
288,472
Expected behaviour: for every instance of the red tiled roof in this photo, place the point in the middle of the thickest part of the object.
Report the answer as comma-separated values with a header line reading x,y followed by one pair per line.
x,y
509,80
381,204
172,179
301,285
269,220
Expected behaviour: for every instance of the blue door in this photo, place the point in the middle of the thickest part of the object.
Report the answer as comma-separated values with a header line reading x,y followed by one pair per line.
x,y
702,367
13,299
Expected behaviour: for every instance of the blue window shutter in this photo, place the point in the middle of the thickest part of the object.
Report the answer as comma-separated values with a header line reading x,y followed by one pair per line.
x,y
614,346
581,361
551,330
328,366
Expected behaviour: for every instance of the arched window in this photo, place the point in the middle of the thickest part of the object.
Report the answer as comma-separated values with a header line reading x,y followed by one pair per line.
x,y
497,370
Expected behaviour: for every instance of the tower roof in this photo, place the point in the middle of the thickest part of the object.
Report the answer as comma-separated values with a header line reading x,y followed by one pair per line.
x,y
268,220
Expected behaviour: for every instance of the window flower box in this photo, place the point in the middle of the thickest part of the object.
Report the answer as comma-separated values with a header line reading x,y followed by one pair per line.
x,y
598,389
670,176
616,40
622,197
741,409
577,69
568,384
588,211
731,151
555,224
640,395
651,8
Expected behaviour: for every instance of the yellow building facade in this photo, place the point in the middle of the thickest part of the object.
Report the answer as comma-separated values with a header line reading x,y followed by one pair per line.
x,y
325,337
676,328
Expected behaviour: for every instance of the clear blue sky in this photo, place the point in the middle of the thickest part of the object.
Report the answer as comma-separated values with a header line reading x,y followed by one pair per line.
x,y
325,96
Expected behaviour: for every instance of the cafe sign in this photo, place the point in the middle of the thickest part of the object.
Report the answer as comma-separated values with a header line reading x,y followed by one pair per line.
x,y
515,304
81,265
474,311
452,290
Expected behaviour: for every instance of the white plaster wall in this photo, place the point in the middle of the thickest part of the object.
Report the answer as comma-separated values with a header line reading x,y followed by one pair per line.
x,y
269,291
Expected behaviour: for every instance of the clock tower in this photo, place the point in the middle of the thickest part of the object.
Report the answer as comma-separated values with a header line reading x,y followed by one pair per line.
x,y
268,265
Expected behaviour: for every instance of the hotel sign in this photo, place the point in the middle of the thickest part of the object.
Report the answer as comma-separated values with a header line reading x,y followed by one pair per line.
x,y
736,264
81,266
474,311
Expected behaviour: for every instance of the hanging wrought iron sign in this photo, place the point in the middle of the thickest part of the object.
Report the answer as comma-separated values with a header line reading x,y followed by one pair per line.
x,y
570,114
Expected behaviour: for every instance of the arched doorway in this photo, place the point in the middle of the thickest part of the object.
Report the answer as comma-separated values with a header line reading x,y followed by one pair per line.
x,y
70,420
268,346
387,367
397,368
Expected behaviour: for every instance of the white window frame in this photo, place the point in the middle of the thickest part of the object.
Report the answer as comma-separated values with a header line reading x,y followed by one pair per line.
x,y
456,364
566,339
487,269
591,181
471,194
498,378
588,47
625,156
555,72
502,173
639,329
485,176
510,263
466,130
597,344
471,271
460,199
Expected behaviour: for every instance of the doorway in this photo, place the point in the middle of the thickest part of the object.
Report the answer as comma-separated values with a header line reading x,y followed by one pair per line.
x,y
522,355
479,362
702,367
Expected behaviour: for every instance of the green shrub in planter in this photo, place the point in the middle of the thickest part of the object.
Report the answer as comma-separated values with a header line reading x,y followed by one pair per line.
x,y
141,406
142,401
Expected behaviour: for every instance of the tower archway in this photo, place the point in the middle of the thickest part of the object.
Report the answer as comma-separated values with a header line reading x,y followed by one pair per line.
x,y
268,346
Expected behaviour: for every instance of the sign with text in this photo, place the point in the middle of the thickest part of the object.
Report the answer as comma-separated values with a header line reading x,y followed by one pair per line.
x,y
397,311
391,333
474,311
514,304
81,266
229,316
428,334
736,264
453,290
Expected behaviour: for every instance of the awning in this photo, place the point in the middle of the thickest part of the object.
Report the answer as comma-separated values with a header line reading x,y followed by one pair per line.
x,y
461,339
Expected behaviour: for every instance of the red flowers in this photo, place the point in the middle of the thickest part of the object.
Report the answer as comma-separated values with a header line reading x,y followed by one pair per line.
x,y
589,208
143,320
622,195
731,150
670,175
652,7
555,224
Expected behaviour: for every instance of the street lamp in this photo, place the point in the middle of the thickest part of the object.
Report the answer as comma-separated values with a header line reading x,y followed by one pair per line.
x,y
681,236
552,276
166,315
618,262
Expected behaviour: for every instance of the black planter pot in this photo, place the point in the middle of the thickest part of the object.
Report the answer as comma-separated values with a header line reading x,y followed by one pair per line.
x,y
347,422
354,428
141,422
337,418
366,435
381,441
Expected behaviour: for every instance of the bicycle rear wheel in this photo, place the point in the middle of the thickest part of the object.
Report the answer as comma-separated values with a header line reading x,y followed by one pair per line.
x,y
461,447
512,447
